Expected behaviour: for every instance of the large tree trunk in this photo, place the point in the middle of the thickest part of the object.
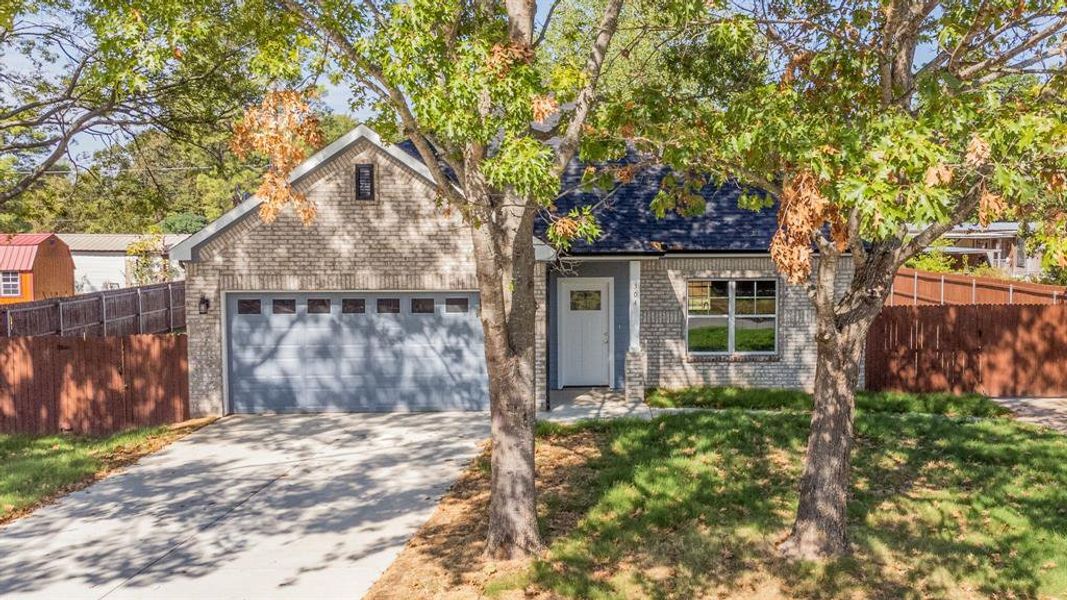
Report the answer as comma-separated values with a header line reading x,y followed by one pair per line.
x,y
820,529
504,258
821,525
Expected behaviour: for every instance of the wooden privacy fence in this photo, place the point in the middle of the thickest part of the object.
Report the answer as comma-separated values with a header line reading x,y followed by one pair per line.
x,y
917,288
153,308
999,350
95,385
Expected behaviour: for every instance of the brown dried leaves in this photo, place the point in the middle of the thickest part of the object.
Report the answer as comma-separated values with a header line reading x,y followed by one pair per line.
x,y
804,210
282,127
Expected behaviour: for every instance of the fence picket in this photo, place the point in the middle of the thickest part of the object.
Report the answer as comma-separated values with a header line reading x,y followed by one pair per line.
x,y
121,312
1000,350
92,385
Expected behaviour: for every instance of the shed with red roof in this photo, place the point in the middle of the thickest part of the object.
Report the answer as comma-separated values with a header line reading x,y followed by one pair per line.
x,y
34,266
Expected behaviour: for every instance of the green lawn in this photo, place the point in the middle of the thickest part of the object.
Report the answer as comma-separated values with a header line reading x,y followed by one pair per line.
x,y
692,505
34,469
974,405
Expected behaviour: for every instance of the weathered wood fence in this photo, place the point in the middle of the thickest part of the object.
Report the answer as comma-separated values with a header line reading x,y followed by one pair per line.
x,y
153,308
999,350
919,288
92,385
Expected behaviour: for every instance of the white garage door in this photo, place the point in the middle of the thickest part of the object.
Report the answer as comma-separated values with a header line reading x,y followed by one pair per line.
x,y
355,351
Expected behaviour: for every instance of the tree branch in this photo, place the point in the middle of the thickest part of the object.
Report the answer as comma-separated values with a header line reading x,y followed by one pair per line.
x,y
568,145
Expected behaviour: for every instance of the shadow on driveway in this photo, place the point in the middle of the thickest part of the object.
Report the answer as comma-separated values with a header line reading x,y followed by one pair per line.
x,y
252,506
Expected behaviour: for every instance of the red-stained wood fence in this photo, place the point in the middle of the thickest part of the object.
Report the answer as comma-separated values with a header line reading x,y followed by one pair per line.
x,y
92,385
999,350
918,288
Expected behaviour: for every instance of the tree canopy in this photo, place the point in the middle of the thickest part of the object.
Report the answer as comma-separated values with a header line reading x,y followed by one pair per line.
x,y
108,70
862,117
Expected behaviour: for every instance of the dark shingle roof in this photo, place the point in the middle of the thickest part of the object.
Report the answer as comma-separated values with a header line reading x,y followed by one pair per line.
x,y
630,226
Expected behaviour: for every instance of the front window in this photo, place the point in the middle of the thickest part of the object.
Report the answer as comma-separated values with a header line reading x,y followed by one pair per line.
x,y
732,316
9,284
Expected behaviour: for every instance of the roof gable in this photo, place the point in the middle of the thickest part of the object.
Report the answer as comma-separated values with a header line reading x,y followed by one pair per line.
x,y
628,223
185,250
19,251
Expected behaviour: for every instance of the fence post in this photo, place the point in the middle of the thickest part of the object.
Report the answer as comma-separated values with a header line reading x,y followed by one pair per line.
x,y
59,309
893,292
974,291
1011,293
170,306
942,289
103,311
140,312
7,323
915,288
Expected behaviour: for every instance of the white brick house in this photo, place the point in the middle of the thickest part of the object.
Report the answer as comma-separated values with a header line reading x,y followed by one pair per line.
x,y
374,305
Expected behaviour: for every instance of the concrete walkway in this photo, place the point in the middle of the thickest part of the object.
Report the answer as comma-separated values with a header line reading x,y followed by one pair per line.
x,y
300,506
1050,412
570,405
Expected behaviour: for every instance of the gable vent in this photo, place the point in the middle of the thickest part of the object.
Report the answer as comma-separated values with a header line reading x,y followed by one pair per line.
x,y
365,182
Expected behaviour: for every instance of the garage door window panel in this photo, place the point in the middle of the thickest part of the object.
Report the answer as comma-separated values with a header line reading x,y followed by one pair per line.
x,y
283,306
388,306
249,307
353,306
457,305
422,306
319,306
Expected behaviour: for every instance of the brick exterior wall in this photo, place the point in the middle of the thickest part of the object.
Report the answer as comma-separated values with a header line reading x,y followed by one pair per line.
x,y
399,241
540,339
663,322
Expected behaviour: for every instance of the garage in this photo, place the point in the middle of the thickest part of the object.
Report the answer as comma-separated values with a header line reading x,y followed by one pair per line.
x,y
355,352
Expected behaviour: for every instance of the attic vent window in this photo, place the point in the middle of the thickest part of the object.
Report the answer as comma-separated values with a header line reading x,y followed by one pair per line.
x,y
365,182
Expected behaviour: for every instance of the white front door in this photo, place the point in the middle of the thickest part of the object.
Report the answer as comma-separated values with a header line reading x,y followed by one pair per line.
x,y
585,336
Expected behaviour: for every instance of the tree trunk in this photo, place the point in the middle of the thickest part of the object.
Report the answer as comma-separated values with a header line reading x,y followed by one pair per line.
x,y
504,257
821,526
820,529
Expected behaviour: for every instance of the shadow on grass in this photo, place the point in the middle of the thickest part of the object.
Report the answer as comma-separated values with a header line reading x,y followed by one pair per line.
x,y
691,505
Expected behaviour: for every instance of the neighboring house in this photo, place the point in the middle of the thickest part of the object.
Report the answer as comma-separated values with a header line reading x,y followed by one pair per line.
x,y
101,261
374,305
999,245
34,266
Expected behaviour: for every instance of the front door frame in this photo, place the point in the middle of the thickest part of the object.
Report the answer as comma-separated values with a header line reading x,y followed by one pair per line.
x,y
565,284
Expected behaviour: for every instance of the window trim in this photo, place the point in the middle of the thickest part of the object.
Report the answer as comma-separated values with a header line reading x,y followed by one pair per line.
x,y
359,167
18,284
731,317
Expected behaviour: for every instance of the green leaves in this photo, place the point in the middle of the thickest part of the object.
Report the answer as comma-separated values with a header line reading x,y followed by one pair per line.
x,y
524,165
578,224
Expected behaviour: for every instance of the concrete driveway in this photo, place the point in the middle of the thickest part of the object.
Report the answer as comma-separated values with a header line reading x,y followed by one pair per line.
x,y
295,506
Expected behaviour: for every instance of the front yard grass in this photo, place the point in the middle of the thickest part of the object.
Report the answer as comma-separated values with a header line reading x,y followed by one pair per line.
x,y
972,405
37,469
692,506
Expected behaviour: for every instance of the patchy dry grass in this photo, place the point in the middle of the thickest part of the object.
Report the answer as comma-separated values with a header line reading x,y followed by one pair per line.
x,y
35,470
692,506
